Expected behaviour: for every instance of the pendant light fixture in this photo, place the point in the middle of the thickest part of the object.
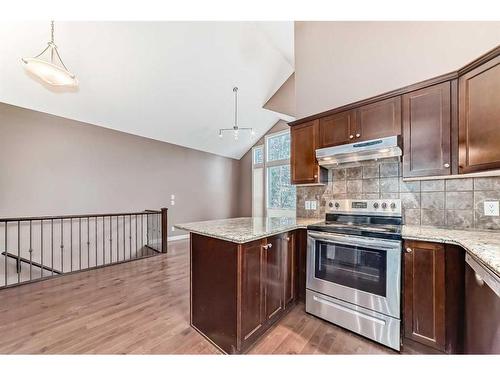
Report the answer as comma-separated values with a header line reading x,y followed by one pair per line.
x,y
49,67
235,129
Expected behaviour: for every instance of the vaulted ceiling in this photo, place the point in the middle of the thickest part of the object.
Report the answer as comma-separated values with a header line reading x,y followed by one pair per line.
x,y
170,81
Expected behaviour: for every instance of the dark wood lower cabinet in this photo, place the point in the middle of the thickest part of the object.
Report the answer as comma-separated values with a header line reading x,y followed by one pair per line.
x,y
433,295
238,291
274,285
252,284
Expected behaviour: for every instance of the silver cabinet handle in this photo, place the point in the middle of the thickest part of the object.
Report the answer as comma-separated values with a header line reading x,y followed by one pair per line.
x,y
358,135
409,250
446,165
287,238
351,136
270,245
264,247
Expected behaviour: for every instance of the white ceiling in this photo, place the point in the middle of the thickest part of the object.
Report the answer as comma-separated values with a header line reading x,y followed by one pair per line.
x,y
170,81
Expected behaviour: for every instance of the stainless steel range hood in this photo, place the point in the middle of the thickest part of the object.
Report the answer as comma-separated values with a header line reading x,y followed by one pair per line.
x,y
354,152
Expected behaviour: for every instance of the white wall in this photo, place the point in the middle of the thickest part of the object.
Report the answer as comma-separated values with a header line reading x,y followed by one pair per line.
x,y
337,63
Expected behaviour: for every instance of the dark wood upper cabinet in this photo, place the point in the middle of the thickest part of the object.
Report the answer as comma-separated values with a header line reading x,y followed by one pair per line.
x,y
337,129
252,289
479,118
378,120
433,295
274,277
304,142
427,131
424,297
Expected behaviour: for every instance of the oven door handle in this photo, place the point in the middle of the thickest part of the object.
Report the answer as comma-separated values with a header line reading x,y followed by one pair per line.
x,y
373,243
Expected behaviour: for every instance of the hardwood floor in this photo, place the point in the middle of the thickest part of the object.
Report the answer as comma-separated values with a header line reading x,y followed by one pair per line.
x,y
142,307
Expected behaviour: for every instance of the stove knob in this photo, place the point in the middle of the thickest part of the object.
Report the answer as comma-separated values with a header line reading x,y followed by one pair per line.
x,y
330,204
384,205
393,205
337,204
375,205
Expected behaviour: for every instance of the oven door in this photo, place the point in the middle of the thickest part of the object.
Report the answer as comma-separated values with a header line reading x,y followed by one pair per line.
x,y
360,270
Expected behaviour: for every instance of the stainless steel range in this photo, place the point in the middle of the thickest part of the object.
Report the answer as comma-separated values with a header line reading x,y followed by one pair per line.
x,y
354,268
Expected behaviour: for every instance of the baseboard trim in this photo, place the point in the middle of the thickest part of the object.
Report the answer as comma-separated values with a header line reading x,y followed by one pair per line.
x,y
179,237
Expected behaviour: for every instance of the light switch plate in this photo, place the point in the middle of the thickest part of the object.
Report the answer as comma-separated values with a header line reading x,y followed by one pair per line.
x,y
173,228
172,197
308,205
491,208
314,205
172,203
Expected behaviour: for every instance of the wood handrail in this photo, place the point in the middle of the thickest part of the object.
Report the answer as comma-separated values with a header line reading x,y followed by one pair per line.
x,y
63,217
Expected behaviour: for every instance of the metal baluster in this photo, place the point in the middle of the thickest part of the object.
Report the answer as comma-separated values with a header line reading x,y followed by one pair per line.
x,y
80,243
52,246
41,247
31,251
18,265
117,241
96,241
88,243
142,232
110,239
71,244
62,247
158,229
136,249
147,229
103,242
6,258
123,237
130,234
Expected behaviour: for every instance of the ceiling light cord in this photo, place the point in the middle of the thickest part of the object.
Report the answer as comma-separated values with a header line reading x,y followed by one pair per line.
x,y
235,90
52,32
235,129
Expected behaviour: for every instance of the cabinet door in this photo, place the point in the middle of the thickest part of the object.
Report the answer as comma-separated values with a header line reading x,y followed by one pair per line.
x,y
274,277
378,120
479,118
289,266
424,293
337,129
252,288
426,131
304,141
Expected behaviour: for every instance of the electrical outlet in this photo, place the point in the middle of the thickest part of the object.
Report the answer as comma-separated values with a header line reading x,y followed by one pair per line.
x,y
172,197
173,228
491,208
172,203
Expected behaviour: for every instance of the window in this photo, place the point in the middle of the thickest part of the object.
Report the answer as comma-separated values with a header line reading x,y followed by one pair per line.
x,y
280,193
272,191
278,147
258,155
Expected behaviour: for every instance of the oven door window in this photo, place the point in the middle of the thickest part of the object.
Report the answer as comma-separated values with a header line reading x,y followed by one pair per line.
x,y
352,266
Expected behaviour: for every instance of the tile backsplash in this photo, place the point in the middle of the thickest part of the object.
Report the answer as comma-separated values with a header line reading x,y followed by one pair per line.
x,y
454,203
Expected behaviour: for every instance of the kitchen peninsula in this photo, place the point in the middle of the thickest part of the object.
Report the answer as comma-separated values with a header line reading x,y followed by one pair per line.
x,y
244,276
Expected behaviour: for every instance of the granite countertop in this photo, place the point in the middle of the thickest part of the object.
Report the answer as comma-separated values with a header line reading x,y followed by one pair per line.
x,y
246,229
482,245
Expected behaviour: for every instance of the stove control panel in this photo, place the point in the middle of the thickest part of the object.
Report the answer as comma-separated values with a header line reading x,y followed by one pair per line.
x,y
390,207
